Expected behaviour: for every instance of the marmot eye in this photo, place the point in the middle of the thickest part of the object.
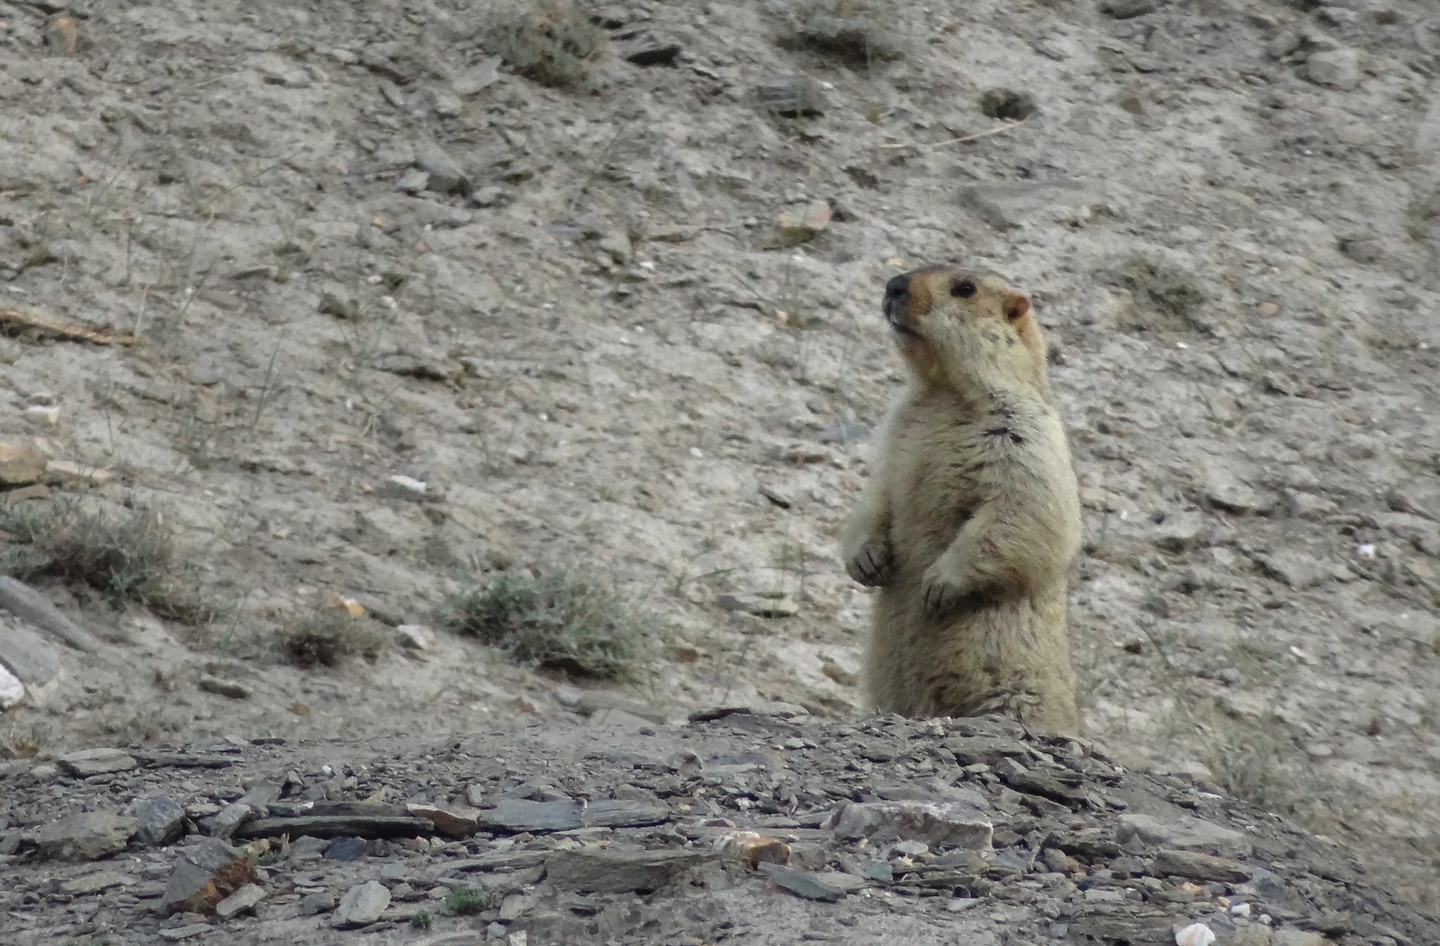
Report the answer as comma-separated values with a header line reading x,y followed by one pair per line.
x,y
964,289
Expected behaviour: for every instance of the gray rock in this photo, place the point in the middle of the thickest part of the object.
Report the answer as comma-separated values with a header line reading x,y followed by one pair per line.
x,y
25,602
334,826
1138,833
86,836
90,762
97,882
1335,68
1008,205
1126,9
827,887
1296,569
229,820
413,182
792,96
313,903
241,900
1181,531
445,176
12,691
30,658
204,875
161,820
22,460
1198,866
939,824
1417,497
618,869
1223,487
618,813
477,78
517,816
346,849
362,905
230,688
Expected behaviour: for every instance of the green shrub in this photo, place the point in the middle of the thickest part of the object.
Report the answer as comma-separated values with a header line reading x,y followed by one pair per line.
x,y
567,621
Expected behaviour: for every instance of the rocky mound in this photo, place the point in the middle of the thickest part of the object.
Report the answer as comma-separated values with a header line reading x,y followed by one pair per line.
x,y
754,825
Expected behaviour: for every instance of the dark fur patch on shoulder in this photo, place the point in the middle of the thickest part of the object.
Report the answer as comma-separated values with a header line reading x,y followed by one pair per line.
x,y
1006,432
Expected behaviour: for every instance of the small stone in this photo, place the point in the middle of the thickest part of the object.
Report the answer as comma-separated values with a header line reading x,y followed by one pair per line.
x,y
22,461
43,414
413,182
617,869
229,820
1293,937
12,691
1008,205
777,496
826,888
616,244
792,97
1362,249
1335,68
241,900
1225,489
1180,532
1197,866
478,78
799,226
86,836
1268,309
362,905
444,175
346,849
416,637
161,821
236,691
448,823
517,816
313,903
1126,9
97,882
1196,934
938,824
912,848
204,875
66,471
1143,831
185,932
1294,568
515,906
760,604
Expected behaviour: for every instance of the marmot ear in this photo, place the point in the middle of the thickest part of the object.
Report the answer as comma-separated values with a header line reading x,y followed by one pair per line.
x,y
1017,305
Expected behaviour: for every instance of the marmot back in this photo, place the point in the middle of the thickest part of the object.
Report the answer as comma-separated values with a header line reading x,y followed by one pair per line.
x,y
970,519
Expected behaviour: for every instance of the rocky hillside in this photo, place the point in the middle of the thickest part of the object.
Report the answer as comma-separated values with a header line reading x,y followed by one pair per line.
x,y
321,314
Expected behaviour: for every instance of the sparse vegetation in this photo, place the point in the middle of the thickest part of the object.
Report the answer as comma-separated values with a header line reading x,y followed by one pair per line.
x,y
463,901
549,41
329,637
421,920
128,557
1006,105
569,621
856,32
1165,288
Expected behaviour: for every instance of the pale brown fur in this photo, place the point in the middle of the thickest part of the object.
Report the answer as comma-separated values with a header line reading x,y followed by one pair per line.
x,y
969,520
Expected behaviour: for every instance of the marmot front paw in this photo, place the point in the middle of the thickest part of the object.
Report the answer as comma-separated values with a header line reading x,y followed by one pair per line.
x,y
873,565
938,590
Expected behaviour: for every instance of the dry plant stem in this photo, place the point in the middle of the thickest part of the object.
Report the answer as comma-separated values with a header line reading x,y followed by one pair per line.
x,y
998,129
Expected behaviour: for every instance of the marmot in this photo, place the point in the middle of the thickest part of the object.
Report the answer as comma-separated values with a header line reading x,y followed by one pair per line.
x,y
970,518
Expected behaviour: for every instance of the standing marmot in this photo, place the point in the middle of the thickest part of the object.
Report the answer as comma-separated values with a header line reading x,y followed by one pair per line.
x,y
970,519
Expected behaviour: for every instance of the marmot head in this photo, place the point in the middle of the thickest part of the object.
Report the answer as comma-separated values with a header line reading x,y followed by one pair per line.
x,y
961,328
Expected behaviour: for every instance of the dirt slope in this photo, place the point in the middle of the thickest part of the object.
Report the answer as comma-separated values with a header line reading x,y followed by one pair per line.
x,y
597,349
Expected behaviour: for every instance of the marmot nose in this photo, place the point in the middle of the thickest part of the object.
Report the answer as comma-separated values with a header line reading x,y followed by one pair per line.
x,y
897,294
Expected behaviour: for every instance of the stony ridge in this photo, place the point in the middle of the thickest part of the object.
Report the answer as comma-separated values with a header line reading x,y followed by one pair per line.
x,y
754,825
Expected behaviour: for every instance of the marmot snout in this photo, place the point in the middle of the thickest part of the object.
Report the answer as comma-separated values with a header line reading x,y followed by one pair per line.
x,y
970,519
